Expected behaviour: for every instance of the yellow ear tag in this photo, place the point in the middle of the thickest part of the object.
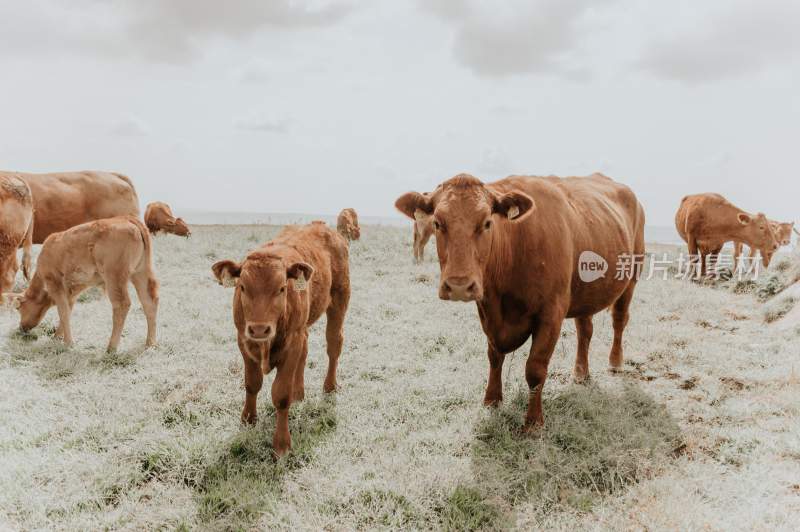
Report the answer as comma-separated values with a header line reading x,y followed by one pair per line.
x,y
419,215
228,280
513,212
300,283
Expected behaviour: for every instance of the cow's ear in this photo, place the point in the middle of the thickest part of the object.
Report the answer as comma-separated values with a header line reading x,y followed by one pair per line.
x,y
298,269
226,272
744,218
411,202
513,205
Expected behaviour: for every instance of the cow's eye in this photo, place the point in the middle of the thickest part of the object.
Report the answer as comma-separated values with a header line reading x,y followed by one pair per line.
x,y
436,225
487,225
241,287
282,290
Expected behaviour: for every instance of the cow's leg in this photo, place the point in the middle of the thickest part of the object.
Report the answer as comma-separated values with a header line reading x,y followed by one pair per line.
x,y
72,298
694,253
117,286
253,378
334,335
417,250
714,255
282,399
299,373
584,328
423,241
620,315
61,299
545,337
494,389
147,291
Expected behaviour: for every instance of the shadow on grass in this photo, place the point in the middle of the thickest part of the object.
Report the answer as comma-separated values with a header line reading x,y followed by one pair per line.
x,y
244,481
595,443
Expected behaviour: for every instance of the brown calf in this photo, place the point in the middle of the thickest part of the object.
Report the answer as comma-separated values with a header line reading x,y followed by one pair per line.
x,y
66,199
423,230
16,229
516,248
783,234
282,288
108,252
158,217
707,221
347,224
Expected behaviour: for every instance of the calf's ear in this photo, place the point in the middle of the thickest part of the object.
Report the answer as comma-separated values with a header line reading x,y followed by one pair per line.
x,y
298,269
226,272
411,202
744,218
12,300
513,205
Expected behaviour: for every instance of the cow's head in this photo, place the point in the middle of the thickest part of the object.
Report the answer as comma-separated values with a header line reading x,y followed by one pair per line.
x,y
783,232
262,285
179,227
32,304
355,232
465,215
760,234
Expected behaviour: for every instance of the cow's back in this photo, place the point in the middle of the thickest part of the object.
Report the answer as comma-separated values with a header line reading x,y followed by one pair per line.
x,y
572,216
63,200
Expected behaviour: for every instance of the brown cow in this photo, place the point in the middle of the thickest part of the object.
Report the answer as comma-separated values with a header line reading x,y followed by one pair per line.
x,y
707,221
282,288
783,234
16,229
423,230
108,252
518,248
347,224
158,217
64,200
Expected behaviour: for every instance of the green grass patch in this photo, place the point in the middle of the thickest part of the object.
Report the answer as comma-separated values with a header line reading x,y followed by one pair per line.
x,y
466,509
595,443
245,479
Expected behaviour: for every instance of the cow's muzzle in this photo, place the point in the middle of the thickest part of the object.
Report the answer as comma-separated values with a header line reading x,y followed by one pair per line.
x,y
460,289
259,332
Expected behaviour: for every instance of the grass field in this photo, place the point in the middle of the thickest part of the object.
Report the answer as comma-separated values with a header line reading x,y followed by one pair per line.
x,y
700,431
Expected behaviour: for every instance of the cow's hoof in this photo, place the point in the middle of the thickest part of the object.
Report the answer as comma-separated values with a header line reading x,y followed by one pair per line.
x,y
614,368
493,403
580,378
330,388
249,418
533,429
281,446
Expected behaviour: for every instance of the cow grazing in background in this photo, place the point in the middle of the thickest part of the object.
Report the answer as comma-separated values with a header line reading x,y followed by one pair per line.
x,y
158,217
282,288
783,234
110,252
347,224
64,200
517,247
423,229
707,221
16,229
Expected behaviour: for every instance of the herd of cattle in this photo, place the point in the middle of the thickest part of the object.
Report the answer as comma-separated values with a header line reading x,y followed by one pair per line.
x,y
511,246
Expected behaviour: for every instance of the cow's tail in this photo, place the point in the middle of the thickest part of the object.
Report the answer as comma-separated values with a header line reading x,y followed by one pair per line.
x,y
27,244
144,232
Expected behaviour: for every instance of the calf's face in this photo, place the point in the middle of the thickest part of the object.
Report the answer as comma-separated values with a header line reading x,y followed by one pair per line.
x,y
761,234
180,228
32,305
464,214
262,284
783,232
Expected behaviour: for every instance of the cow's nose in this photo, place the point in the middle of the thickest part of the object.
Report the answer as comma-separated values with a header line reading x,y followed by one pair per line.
x,y
459,289
259,330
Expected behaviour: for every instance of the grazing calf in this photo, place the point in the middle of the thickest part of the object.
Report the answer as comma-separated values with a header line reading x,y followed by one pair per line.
x,y
108,252
517,248
707,221
16,229
282,288
66,199
783,234
347,224
158,217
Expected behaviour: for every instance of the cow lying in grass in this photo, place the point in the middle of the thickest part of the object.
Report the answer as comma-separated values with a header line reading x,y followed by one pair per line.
x,y
110,252
282,288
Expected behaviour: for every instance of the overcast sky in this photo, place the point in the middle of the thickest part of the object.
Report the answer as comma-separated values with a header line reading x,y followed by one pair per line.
x,y
311,106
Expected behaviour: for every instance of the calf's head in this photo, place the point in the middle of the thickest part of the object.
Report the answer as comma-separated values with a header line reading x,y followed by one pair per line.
x,y
262,286
465,215
783,232
760,234
179,227
32,304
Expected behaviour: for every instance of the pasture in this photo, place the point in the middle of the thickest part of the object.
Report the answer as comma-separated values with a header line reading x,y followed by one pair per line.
x,y
699,431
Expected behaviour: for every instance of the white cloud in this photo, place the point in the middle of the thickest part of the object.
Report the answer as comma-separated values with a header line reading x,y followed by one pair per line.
x,y
730,41
260,121
130,126
162,31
